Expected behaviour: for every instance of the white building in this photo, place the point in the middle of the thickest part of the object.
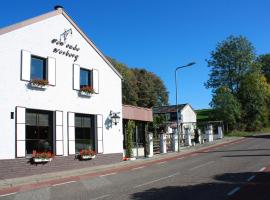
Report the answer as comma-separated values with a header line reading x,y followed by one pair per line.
x,y
186,114
58,117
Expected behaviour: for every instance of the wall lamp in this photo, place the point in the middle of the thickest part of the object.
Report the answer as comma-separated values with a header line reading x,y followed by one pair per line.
x,y
115,117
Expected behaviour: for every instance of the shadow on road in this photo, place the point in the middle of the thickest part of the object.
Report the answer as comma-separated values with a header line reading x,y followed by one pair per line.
x,y
218,189
251,155
234,150
266,136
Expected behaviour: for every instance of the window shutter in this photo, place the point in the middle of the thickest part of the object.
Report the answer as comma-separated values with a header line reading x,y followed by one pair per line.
x,y
76,77
100,133
59,133
20,132
51,70
96,80
71,133
26,65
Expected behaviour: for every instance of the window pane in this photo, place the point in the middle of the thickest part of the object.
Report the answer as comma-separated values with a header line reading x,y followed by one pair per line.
x,y
86,122
31,132
84,78
38,68
82,133
31,119
38,145
78,121
44,133
43,119
83,144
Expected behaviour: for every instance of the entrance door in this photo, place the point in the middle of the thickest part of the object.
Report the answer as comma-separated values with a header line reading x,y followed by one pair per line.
x,y
39,131
84,132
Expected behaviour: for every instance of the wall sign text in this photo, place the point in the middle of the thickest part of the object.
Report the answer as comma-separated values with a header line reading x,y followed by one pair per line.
x,y
69,50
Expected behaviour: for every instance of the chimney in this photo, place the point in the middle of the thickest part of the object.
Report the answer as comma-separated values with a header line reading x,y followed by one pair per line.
x,y
58,7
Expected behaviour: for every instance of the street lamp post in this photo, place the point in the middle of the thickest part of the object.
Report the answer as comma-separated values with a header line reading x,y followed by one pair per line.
x,y
176,99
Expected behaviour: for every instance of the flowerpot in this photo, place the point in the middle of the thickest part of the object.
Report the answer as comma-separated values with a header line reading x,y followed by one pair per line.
x,y
86,94
87,157
126,159
41,160
42,87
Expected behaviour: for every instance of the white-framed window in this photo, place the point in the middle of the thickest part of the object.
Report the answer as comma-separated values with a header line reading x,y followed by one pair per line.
x,y
35,67
86,78
38,68
83,77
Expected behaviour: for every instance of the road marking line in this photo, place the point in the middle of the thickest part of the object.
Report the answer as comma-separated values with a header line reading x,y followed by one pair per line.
x,y
251,178
136,168
262,169
107,174
180,158
63,183
101,197
233,191
4,195
156,180
202,165
160,163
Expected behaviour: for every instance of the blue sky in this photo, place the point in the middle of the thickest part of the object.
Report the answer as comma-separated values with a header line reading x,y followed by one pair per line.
x,y
160,35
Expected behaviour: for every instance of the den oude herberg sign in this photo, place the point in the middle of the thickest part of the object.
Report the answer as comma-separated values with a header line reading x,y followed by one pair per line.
x,y
69,50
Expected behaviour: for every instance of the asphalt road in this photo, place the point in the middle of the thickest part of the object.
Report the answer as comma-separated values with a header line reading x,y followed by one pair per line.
x,y
221,173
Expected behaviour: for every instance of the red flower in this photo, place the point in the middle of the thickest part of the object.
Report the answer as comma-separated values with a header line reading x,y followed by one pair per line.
x,y
87,152
87,89
47,154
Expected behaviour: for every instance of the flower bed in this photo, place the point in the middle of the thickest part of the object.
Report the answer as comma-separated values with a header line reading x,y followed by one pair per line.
x,y
87,154
41,157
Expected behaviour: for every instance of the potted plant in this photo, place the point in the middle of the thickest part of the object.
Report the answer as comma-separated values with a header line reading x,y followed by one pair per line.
x,y
87,91
86,154
129,144
40,157
38,83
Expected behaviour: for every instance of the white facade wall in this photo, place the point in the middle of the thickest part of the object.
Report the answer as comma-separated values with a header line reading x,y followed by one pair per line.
x,y
36,38
189,118
188,115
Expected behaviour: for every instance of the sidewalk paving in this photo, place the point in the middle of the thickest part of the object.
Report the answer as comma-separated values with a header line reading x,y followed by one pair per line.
x,y
67,175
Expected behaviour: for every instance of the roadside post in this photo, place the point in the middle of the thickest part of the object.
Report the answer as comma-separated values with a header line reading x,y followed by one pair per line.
x,y
150,145
220,132
163,145
175,142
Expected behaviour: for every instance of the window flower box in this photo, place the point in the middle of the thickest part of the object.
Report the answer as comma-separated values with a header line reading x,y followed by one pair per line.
x,y
41,84
42,157
87,157
127,159
86,91
41,160
87,154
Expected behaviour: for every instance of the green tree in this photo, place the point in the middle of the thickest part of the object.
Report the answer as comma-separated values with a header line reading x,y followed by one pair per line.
x,y
264,62
226,107
254,96
141,87
151,89
129,141
129,86
229,62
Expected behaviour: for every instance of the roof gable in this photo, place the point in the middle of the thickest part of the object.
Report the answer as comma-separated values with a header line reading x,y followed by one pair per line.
x,y
169,109
59,11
